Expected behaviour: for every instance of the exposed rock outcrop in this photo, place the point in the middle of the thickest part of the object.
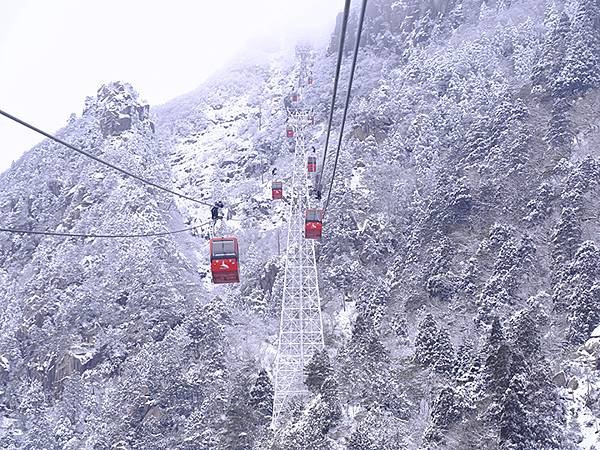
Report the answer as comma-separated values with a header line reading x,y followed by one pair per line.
x,y
119,108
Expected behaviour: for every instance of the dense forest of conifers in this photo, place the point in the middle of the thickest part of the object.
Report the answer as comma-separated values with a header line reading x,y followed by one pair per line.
x,y
460,266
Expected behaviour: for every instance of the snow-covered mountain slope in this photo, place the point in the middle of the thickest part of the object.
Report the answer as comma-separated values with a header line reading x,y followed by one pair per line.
x,y
459,266
76,311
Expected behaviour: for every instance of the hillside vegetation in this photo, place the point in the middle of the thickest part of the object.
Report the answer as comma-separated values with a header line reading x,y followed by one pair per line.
x,y
460,268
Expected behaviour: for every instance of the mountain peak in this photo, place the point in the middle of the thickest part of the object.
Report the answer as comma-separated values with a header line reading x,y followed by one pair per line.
x,y
118,107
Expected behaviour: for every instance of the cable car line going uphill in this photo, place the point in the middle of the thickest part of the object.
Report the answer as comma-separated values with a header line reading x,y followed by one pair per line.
x,y
336,80
301,323
224,251
348,93
104,236
101,161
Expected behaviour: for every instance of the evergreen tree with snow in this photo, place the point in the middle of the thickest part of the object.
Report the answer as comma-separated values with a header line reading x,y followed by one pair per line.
x,y
425,342
373,302
359,440
581,71
559,135
317,371
547,413
566,237
525,333
261,397
447,410
546,73
584,300
496,370
514,432
433,347
309,430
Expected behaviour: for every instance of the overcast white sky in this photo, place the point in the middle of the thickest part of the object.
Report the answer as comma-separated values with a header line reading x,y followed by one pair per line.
x,y
55,53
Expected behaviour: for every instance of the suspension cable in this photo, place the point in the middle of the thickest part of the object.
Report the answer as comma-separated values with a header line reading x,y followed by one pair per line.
x,y
101,161
335,84
354,58
109,236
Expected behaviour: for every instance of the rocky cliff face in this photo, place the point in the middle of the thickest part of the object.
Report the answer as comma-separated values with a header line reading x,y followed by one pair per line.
x,y
118,108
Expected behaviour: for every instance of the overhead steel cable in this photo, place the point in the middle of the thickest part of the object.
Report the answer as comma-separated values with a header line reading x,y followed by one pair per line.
x,y
335,84
101,161
352,70
93,235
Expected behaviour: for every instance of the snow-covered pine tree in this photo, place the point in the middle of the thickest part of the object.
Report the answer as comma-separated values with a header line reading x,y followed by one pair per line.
x,y
559,135
317,371
514,432
433,347
261,397
581,71
583,303
546,74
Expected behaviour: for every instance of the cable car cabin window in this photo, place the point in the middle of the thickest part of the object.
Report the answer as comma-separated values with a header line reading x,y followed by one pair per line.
x,y
277,185
223,250
313,215
312,159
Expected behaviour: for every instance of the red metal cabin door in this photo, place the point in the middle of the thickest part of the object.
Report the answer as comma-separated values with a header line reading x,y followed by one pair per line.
x,y
313,230
225,270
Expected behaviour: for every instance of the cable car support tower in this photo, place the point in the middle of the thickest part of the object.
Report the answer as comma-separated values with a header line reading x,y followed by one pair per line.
x,y
301,324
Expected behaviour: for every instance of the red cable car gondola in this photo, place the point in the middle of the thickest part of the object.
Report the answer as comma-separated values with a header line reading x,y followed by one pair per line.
x,y
295,97
277,190
290,132
224,260
312,163
310,80
313,224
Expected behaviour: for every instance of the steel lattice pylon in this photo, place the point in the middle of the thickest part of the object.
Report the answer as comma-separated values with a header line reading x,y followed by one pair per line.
x,y
301,325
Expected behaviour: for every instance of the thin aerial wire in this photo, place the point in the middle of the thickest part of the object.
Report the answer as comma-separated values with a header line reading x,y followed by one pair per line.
x,y
354,59
108,236
101,161
335,85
